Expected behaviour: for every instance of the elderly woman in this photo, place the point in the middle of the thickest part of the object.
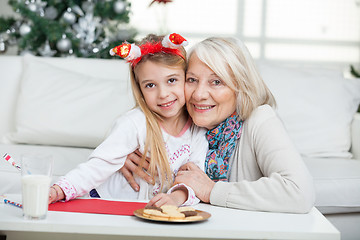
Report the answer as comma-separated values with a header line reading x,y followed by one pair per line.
x,y
251,162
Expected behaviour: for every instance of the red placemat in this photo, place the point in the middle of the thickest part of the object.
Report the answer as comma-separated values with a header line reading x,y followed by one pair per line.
x,y
97,206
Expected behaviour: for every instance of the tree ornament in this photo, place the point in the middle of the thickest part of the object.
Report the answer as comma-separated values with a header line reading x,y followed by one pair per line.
x,y
3,46
69,17
51,13
26,52
36,6
104,43
87,29
76,9
63,44
91,27
95,49
24,29
32,7
119,7
46,50
88,6
12,32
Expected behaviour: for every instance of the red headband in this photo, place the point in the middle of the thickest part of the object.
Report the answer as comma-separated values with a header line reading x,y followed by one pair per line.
x,y
133,53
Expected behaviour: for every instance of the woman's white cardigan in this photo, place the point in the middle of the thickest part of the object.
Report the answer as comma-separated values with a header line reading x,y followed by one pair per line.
x,y
266,171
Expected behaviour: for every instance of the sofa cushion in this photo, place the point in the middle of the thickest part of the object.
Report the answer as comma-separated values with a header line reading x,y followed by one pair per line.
x,y
337,184
316,106
10,69
64,108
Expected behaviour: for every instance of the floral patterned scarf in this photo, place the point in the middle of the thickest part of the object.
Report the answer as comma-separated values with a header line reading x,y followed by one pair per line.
x,y
222,141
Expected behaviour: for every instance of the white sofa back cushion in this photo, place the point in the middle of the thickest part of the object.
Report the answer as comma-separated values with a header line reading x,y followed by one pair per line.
x,y
61,107
316,106
10,74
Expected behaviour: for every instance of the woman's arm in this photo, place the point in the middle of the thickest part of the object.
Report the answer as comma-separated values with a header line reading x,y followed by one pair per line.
x,y
268,173
195,178
130,168
199,147
178,196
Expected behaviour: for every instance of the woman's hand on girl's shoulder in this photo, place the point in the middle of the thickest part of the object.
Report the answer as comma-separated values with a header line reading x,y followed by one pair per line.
x,y
131,168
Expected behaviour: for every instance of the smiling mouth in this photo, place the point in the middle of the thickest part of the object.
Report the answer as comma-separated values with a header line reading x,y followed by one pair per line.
x,y
203,107
167,104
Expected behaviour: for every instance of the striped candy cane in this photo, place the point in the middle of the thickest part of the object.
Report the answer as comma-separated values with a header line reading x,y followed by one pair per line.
x,y
8,158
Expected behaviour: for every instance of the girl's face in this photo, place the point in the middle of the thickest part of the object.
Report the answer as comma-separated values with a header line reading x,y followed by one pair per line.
x,y
209,100
163,88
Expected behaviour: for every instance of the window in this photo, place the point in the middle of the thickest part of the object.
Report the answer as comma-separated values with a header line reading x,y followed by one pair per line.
x,y
200,17
321,31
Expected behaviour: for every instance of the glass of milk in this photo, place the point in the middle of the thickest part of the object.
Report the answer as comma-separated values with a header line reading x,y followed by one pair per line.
x,y
36,172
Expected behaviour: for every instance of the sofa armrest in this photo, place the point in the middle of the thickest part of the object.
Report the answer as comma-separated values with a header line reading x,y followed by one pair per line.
x,y
355,136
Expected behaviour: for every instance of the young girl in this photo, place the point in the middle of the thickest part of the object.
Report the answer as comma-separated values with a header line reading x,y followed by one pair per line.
x,y
158,126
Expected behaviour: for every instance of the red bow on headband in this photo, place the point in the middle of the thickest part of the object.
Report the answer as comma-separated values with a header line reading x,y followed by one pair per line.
x,y
133,53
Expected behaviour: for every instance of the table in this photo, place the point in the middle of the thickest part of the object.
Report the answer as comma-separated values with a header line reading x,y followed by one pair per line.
x,y
225,223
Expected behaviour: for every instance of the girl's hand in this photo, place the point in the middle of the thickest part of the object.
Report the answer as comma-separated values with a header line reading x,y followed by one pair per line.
x,y
176,198
130,168
55,194
162,199
195,178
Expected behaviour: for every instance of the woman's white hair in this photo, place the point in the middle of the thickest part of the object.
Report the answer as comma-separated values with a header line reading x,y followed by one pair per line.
x,y
231,61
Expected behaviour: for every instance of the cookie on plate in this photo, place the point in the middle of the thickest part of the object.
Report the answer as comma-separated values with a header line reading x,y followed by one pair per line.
x,y
175,215
153,207
189,213
166,208
186,208
155,214
173,212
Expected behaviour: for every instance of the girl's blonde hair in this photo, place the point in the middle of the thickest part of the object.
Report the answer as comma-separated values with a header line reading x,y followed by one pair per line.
x,y
231,61
159,164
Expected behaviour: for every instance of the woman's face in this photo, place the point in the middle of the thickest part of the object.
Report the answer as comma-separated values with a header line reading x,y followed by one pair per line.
x,y
208,99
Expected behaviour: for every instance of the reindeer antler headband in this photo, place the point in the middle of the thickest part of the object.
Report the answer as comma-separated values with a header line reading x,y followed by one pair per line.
x,y
133,53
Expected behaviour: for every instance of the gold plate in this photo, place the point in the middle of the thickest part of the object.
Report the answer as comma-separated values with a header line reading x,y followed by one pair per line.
x,y
140,213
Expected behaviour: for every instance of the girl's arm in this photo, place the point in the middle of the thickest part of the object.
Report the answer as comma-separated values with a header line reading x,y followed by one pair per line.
x,y
107,158
177,198
56,194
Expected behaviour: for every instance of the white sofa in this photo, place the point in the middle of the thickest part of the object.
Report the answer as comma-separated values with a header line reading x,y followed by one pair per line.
x,y
66,106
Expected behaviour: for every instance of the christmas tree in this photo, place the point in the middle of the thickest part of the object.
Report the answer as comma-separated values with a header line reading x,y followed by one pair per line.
x,y
82,28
